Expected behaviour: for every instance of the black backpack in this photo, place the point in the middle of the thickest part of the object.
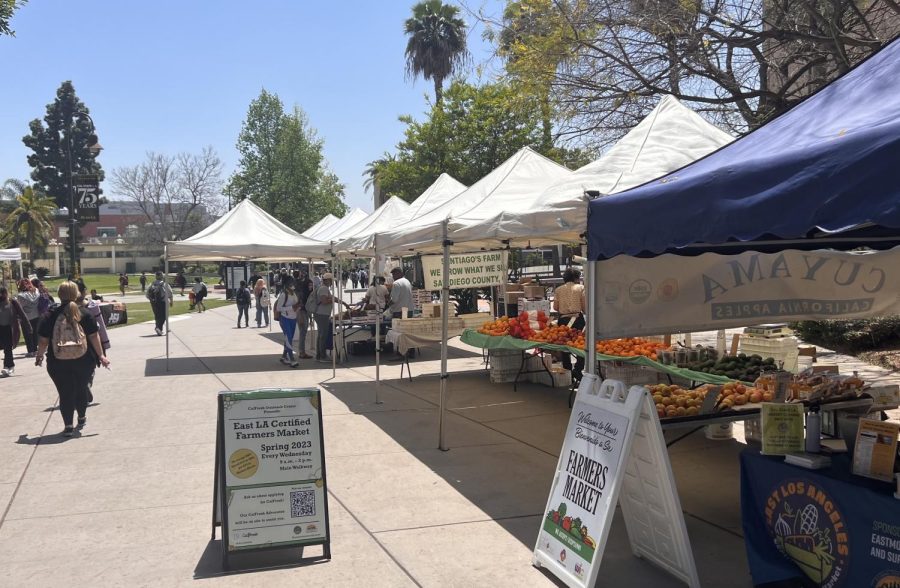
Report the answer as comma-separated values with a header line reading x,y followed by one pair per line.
x,y
243,296
203,290
157,292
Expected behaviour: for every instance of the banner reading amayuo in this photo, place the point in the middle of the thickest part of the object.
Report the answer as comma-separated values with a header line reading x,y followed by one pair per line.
x,y
670,294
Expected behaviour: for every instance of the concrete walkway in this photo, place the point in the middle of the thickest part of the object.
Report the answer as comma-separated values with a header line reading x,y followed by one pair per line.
x,y
129,502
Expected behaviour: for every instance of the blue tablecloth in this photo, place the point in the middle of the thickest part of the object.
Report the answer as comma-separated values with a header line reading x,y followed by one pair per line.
x,y
824,527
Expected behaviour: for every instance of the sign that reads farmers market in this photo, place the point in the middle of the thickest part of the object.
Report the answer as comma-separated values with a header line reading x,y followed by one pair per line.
x,y
271,469
467,270
670,294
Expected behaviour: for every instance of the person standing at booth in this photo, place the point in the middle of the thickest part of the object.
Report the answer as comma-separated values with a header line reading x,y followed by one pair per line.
x,y
568,301
401,294
323,312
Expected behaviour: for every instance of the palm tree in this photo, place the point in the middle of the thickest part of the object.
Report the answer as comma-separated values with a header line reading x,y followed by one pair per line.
x,y
437,43
373,168
31,223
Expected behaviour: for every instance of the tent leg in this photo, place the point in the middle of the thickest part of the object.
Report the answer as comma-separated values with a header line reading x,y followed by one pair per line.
x,y
590,278
445,305
166,277
337,277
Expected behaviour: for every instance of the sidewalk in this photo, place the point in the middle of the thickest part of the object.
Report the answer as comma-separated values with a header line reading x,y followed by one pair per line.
x,y
129,502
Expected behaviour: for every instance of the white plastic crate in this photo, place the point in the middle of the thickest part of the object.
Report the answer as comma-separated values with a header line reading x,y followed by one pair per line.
x,y
504,375
556,378
505,359
785,349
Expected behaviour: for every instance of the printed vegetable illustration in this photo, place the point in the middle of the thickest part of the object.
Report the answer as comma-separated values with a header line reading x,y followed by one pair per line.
x,y
567,524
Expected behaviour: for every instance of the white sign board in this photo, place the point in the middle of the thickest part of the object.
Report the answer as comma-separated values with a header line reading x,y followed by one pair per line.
x,y
671,294
272,469
467,270
609,433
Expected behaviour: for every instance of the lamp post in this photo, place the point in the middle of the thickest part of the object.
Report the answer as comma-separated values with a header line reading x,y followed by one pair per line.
x,y
94,148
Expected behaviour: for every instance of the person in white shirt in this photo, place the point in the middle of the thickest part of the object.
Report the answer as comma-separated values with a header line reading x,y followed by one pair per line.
x,y
200,291
401,293
376,296
286,307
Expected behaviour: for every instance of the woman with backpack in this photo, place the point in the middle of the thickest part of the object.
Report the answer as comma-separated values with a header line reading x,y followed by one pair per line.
x,y
286,306
199,291
262,302
70,339
243,297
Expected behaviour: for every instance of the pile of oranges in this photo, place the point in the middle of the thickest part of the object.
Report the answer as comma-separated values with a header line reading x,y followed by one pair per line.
x,y
629,347
497,328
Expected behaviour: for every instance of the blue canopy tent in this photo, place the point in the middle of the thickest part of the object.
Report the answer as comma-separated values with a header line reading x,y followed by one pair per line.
x,y
824,174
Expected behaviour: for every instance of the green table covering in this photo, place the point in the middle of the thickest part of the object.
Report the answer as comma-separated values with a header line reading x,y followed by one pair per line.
x,y
476,339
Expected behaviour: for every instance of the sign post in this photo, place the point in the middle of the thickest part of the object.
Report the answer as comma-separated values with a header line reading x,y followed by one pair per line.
x,y
87,197
270,488
614,453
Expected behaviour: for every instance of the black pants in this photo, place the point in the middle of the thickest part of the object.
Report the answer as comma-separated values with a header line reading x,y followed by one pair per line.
x,y
243,311
34,334
72,379
159,313
578,370
6,343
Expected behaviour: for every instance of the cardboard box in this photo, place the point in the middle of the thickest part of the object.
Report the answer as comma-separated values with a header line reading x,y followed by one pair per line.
x,y
532,291
515,288
513,297
534,305
431,310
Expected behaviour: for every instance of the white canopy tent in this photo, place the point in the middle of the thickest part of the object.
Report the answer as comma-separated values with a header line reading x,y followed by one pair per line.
x,y
670,137
444,188
385,216
331,232
523,174
11,255
325,221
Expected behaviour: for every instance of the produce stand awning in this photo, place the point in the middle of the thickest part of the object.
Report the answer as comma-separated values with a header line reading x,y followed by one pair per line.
x,y
388,216
14,254
331,232
325,221
828,165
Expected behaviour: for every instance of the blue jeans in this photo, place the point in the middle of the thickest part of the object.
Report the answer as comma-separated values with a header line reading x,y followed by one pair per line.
x,y
243,311
262,312
288,327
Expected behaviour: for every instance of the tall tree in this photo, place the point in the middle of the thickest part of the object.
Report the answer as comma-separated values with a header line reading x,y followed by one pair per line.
x,y
7,9
177,194
436,47
31,222
282,167
64,140
741,62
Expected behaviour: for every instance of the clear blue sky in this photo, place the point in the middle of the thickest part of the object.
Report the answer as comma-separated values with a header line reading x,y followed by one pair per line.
x,y
176,75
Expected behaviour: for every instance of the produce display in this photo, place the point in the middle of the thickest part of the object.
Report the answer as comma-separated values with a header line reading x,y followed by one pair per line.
x,y
817,386
630,347
737,367
675,401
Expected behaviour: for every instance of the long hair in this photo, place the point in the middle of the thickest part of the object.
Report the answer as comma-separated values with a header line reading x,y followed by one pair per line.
x,y
68,292
260,284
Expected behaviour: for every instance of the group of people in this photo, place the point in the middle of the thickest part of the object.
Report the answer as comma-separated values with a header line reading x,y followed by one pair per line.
x,y
358,277
70,334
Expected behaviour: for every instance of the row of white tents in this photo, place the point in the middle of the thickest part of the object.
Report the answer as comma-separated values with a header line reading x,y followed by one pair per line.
x,y
527,201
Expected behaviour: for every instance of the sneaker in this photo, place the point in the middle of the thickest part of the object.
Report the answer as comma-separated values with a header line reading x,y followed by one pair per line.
x,y
4,373
10,371
158,332
295,364
29,354
82,421
68,432
285,361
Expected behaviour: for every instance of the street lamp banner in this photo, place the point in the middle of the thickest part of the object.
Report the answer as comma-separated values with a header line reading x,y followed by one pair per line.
x,y
87,196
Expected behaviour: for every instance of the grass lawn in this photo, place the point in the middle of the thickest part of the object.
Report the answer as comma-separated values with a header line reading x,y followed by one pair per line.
x,y
139,312
109,283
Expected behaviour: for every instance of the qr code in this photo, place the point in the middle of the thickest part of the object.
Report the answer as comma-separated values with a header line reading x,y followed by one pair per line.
x,y
303,503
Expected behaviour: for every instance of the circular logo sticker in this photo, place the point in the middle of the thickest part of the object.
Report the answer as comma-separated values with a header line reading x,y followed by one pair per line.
x,y
889,579
809,530
639,292
667,290
243,464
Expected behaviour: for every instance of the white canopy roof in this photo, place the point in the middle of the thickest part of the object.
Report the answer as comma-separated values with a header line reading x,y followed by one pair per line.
x,y
670,137
14,254
503,189
325,221
389,216
440,191
334,231
246,233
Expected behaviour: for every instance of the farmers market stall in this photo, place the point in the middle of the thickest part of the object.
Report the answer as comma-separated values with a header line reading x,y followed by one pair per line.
x,y
761,231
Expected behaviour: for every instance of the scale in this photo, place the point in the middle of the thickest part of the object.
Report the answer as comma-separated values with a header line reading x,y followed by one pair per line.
x,y
772,331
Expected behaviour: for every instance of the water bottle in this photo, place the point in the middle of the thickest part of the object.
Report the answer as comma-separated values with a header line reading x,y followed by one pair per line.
x,y
813,429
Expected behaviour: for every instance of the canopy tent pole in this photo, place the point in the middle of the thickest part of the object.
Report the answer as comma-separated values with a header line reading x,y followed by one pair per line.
x,y
166,281
590,279
337,278
445,324
379,313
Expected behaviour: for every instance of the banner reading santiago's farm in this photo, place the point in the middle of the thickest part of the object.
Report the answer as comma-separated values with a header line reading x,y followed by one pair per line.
x,y
579,499
671,294
272,460
467,270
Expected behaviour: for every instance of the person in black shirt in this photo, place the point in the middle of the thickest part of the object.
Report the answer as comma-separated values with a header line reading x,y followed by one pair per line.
x,y
71,375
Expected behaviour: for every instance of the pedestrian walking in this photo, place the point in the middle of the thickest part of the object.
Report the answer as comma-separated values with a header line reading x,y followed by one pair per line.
x,y
71,342
261,293
159,293
12,324
45,300
286,307
143,280
324,307
92,306
123,283
304,288
180,282
354,278
28,298
243,297
199,291
363,278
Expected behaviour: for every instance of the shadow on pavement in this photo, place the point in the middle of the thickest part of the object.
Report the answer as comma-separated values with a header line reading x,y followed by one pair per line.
x,y
50,438
210,562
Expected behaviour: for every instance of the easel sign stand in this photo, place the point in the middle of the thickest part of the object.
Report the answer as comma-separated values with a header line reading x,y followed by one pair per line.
x,y
614,453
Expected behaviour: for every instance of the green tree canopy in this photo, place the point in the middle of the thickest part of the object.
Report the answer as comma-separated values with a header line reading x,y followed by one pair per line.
x,y
282,167
436,47
31,222
63,136
7,9
476,130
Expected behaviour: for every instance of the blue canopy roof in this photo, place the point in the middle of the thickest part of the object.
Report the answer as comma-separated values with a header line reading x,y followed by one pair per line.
x,y
830,164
